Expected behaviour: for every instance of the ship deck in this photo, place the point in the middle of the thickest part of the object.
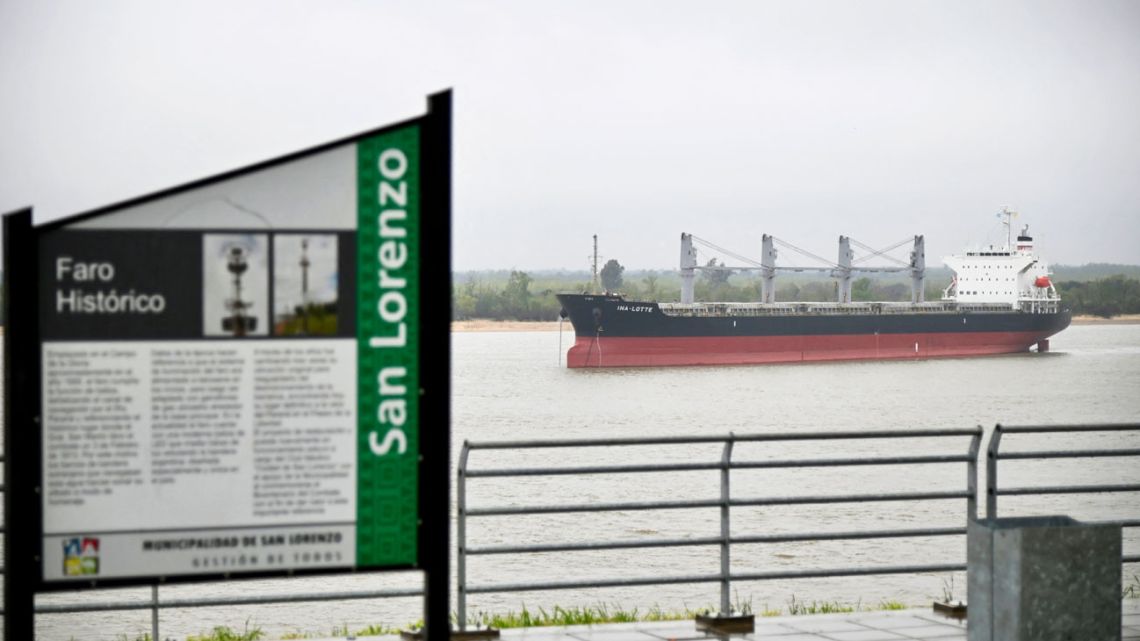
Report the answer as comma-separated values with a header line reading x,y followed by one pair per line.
x,y
833,309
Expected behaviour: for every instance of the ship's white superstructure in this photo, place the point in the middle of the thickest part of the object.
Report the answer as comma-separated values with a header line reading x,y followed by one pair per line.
x,y
1011,274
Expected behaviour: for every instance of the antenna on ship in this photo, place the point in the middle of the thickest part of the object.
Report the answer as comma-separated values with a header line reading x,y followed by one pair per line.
x,y
594,265
1009,215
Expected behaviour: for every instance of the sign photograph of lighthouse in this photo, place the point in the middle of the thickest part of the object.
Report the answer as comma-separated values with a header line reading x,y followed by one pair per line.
x,y
305,283
235,277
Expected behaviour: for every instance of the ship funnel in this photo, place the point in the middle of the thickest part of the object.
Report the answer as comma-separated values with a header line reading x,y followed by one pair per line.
x,y
1024,240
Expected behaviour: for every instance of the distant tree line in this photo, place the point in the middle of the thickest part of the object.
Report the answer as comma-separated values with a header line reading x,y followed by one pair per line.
x,y
517,295
1105,297
513,300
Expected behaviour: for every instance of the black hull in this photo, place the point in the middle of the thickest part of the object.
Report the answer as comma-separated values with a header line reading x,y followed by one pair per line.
x,y
639,333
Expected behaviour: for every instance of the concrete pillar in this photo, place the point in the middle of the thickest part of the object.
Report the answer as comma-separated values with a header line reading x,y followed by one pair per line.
x,y
1046,578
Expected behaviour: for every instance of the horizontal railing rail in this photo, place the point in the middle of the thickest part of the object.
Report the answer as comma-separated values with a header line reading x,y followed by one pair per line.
x,y
725,503
994,455
269,599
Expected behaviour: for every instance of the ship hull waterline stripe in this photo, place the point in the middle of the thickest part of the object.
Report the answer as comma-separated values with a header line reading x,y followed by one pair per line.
x,y
612,351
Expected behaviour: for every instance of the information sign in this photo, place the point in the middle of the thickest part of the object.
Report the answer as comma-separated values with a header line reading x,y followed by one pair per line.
x,y
229,377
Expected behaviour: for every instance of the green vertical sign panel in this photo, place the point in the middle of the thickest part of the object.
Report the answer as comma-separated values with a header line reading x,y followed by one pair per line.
x,y
388,345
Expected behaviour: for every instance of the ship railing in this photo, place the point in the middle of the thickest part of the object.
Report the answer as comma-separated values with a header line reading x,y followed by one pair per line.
x,y
721,505
1038,305
986,308
1086,434
824,308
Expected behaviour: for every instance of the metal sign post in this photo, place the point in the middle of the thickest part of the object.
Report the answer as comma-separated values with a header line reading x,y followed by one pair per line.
x,y
21,530
435,468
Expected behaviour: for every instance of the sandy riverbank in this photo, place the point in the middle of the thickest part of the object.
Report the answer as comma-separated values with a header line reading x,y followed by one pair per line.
x,y
1123,319
484,325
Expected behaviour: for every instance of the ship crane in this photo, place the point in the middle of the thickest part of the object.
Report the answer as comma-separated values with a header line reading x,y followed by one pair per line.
x,y
842,270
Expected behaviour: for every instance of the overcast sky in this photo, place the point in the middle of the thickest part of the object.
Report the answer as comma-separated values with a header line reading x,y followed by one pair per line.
x,y
635,121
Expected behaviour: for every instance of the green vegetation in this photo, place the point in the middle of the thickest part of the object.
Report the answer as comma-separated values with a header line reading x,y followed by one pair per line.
x,y
948,590
516,297
372,630
818,607
1132,590
611,275
768,612
311,320
1104,297
222,633
559,616
1094,271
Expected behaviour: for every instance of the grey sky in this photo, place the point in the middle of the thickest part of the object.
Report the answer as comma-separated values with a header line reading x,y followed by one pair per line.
x,y
632,120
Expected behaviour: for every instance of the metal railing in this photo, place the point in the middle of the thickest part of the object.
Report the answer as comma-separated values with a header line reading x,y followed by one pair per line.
x,y
993,455
725,502
154,604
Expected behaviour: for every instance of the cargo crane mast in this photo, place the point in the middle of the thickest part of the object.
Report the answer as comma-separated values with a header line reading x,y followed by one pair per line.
x,y
842,270
689,264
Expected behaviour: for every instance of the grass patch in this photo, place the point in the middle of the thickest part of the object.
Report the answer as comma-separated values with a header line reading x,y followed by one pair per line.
x,y
768,612
574,615
590,615
372,630
1132,590
223,633
796,608
559,616
948,590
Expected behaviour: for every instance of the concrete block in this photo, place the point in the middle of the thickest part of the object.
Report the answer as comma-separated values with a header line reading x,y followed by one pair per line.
x,y
1048,578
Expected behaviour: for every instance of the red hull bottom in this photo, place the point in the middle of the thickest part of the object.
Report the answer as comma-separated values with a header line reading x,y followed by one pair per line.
x,y
745,350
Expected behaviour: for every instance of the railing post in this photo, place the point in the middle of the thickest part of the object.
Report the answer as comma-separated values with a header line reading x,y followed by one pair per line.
x,y
725,525
972,477
991,472
461,539
154,612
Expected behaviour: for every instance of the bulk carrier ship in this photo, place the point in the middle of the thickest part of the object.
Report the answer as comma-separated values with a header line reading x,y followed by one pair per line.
x,y
1000,301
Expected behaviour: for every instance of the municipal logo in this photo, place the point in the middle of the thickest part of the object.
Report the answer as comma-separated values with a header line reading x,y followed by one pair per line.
x,y
81,556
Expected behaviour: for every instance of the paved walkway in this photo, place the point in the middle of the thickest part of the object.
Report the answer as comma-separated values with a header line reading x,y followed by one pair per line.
x,y
911,625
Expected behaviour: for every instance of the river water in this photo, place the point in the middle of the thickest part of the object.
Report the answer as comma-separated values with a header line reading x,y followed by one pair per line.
x,y
509,386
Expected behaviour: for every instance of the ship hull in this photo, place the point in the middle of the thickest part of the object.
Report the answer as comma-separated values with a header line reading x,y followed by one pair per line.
x,y
612,332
